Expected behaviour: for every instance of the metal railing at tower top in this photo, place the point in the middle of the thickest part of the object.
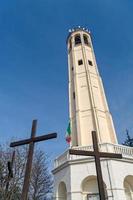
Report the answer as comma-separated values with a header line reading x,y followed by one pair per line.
x,y
127,152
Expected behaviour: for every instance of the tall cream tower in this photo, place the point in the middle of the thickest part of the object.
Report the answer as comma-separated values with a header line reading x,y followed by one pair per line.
x,y
88,106
75,176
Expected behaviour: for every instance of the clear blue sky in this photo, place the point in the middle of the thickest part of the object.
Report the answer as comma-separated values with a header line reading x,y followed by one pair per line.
x,y
33,63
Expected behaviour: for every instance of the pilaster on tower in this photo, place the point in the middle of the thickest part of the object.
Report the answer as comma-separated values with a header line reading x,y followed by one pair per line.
x,y
88,108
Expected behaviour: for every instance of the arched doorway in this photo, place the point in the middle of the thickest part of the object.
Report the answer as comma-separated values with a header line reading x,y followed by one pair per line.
x,y
62,191
90,188
128,186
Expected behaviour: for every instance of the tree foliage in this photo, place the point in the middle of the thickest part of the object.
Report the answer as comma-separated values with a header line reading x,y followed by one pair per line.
x,y
129,140
41,179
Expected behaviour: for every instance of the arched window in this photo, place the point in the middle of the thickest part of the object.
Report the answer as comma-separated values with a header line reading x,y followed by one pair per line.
x,y
77,39
128,186
85,39
62,191
90,188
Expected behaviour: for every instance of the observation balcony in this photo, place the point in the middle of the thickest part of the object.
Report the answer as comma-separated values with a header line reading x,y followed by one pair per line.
x,y
127,153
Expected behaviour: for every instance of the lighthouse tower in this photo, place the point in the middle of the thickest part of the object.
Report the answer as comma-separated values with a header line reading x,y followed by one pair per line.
x,y
87,101
75,176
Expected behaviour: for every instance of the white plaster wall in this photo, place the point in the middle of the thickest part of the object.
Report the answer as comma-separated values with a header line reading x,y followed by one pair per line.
x,y
120,171
62,175
114,173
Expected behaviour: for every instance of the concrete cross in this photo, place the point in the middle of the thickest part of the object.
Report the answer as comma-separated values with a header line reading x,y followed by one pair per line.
x,y
31,141
97,155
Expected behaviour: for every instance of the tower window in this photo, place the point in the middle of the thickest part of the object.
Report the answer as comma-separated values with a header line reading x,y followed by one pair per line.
x,y
80,62
86,39
90,62
73,95
70,46
77,39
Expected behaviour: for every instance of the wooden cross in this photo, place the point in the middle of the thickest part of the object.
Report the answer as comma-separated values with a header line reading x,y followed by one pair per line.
x,y
31,141
97,155
10,170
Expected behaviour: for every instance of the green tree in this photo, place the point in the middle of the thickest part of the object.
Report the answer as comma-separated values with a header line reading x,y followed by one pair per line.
x,y
129,140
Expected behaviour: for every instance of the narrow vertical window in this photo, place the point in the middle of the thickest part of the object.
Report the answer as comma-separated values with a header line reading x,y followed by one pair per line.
x,y
85,39
73,95
70,43
70,46
77,39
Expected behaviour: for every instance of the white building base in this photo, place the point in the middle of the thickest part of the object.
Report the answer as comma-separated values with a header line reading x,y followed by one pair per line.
x,y
75,176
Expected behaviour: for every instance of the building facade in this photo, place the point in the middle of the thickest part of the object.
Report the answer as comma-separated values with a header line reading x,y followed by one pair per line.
x,y
75,176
